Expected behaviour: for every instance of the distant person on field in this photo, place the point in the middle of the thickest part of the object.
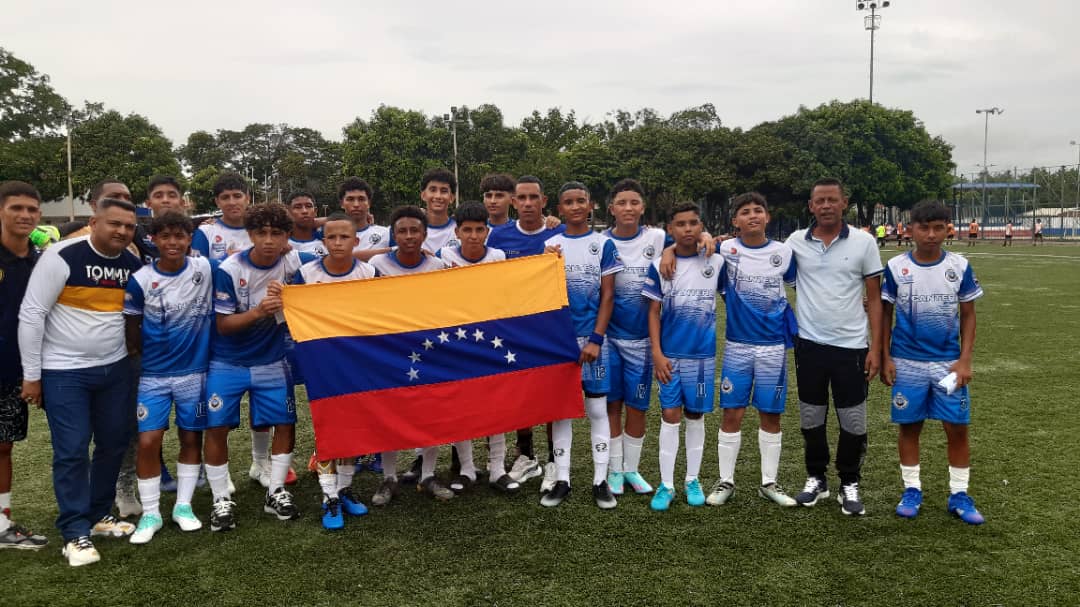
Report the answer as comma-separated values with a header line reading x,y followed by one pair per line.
x,y
1037,235
880,233
1008,235
973,232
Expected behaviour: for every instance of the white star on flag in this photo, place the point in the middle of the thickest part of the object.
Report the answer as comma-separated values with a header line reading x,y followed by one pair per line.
x,y
478,335
461,333
497,342
414,357
510,357
428,344
413,374
444,337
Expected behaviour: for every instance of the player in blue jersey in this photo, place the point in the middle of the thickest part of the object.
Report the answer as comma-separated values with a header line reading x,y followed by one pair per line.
x,y
682,334
932,344
628,335
591,261
759,325
497,190
248,356
168,308
305,236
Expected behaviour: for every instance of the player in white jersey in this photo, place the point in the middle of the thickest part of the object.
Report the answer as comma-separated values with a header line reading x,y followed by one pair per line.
x,y
591,261
628,335
168,308
437,189
682,335
928,354
226,235
304,236
759,327
354,196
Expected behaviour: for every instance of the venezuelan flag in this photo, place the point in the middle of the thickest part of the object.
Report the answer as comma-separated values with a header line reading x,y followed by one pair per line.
x,y
428,359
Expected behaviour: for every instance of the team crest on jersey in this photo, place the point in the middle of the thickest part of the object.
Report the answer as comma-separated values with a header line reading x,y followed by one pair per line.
x,y
649,252
950,275
217,238
708,271
734,251
215,402
905,271
594,248
375,238
142,412
726,386
776,260
154,285
243,283
453,242
900,401
197,278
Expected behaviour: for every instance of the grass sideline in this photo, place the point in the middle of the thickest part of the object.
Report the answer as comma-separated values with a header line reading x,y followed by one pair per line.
x,y
486,549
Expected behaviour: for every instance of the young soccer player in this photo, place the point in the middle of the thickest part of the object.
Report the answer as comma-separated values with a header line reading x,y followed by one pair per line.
x,y
759,325
335,476
168,309
304,237
950,234
1008,234
437,192
934,293
409,225
1036,234
227,234
248,356
973,232
354,196
682,336
628,335
591,262
498,192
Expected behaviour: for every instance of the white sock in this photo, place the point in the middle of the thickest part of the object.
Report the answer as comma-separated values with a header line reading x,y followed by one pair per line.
x,y
669,449
769,446
600,431
150,494
562,435
632,452
260,446
465,457
279,469
429,456
218,477
615,462
910,476
187,476
328,481
695,446
727,450
496,456
958,479
389,465
5,505
346,468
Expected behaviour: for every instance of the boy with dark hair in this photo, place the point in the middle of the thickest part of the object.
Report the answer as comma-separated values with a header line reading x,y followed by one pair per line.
x,y
20,211
226,235
498,192
355,196
928,355
163,194
437,189
168,309
304,236
682,333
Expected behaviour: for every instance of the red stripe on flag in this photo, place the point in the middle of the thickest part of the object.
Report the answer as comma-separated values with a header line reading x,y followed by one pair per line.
x,y
437,414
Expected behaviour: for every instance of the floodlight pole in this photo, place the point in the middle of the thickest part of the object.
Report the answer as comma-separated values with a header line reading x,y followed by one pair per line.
x,y
453,132
1076,219
871,23
986,139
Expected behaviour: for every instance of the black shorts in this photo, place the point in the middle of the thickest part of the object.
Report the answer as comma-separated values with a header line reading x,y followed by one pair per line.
x,y
973,236
14,415
819,367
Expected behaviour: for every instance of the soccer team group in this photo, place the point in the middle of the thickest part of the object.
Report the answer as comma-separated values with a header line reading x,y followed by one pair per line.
x,y
116,327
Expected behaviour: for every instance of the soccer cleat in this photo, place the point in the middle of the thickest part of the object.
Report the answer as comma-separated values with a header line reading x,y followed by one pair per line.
x,y
127,505
80,551
185,518
776,494
963,507
280,504
637,483
551,471
910,503
221,515
505,484
461,483
332,517
661,501
413,474
435,489
720,494
525,468
559,491
849,500
350,502
149,524
602,494
20,538
386,492
290,477
260,473
110,526
815,488
694,494
616,481
376,464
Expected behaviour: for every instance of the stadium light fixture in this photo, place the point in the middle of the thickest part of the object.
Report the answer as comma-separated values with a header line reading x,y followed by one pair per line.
x,y
987,112
872,23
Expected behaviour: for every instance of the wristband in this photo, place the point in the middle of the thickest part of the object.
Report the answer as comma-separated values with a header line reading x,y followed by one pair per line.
x,y
596,338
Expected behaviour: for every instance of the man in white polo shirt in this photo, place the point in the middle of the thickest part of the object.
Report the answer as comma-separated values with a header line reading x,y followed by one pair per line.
x,y
836,263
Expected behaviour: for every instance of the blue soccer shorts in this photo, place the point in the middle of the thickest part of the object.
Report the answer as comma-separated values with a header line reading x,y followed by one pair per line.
x,y
630,367
691,386
269,388
156,398
595,376
754,374
916,395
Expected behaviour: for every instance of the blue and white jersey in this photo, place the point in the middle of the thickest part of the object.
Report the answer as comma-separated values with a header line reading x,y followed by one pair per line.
x,y
239,285
387,264
373,237
177,316
441,236
217,240
313,246
316,271
688,305
588,258
630,320
753,286
927,300
455,258
516,242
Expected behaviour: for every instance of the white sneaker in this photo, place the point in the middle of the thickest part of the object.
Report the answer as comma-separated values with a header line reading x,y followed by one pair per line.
x,y
551,472
185,518
110,526
525,468
721,493
149,524
127,505
260,473
80,551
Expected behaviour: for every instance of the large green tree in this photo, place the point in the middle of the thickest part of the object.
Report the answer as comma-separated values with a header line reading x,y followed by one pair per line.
x,y
28,104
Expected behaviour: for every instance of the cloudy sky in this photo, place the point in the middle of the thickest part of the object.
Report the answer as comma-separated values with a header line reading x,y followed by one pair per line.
x,y
320,63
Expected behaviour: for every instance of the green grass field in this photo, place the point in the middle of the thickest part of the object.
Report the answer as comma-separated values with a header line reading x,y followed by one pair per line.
x,y
487,549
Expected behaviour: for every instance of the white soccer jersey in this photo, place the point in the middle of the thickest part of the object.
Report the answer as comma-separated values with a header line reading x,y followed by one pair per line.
x,y
927,299
316,271
441,236
587,258
373,237
313,246
217,240
454,257
388,265
753,285
630,319
688,312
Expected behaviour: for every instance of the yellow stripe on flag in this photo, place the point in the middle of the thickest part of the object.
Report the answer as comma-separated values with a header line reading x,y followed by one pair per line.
x,y
95,299
432,300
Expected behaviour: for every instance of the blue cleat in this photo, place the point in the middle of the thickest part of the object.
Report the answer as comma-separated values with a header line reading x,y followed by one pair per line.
x,y
661,501
332,518
615,481
351,503
694,495
637,483
963,507
376,464
910,503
